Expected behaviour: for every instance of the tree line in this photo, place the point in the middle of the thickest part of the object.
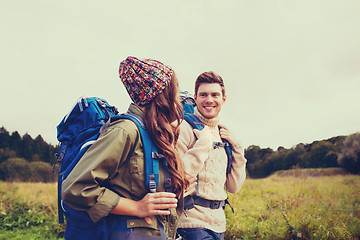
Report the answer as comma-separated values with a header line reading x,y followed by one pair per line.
x,y
23,158
341,151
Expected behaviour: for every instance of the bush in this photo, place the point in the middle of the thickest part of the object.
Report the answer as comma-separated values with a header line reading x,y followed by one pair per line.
x,y
41,172
15,169
20,170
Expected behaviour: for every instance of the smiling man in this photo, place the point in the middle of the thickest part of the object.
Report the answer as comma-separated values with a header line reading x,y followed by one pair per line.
x,y
204,156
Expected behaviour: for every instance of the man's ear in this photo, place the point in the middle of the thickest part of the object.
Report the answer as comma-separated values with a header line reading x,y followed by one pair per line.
x,y
224,98
195,98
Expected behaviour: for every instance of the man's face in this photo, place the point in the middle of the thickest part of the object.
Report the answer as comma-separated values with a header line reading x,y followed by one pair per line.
x,y
209,99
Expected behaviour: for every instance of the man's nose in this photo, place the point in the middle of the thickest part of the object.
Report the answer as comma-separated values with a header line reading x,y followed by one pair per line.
x,y
209,98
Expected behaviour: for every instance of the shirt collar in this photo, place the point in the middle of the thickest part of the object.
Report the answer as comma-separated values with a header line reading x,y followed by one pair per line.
x,y
211,122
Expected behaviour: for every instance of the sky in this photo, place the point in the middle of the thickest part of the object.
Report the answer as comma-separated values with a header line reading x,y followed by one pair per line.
x,y
291,68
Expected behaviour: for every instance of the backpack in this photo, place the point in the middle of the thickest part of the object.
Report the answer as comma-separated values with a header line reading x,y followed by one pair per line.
x,y
81,128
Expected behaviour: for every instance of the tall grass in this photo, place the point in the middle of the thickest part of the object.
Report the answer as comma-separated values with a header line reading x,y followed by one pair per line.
x,y
296,208
273,208
28,211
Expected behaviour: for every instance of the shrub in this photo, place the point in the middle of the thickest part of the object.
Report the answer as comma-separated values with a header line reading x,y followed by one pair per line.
x,y
41,172
15,169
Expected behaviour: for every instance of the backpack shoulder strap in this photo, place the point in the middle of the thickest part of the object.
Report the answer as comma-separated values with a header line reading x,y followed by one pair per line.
x,y
197,124
151,154
228,151
194,121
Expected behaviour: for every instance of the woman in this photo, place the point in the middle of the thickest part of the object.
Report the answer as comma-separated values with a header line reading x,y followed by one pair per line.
x,y
108,181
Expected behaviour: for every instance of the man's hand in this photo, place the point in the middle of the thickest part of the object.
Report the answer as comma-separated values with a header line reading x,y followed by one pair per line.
x,y
191,188
205,133
226,134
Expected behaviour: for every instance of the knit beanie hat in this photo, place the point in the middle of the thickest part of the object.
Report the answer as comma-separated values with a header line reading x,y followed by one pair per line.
x,y
144,78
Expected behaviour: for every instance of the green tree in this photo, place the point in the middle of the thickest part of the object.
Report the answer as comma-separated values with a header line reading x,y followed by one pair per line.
x,y
274,162
316,157
293,156
15,142
6,153
4,138
252,154
331,159
256,161
27,147
45,151
349,158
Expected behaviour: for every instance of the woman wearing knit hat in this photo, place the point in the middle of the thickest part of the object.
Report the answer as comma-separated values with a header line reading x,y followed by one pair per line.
x,y
108,181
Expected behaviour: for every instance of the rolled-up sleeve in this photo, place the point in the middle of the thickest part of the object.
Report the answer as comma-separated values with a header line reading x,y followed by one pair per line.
x,y
83,189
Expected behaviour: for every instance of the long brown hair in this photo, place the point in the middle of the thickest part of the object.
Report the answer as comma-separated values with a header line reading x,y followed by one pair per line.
x,y
162,119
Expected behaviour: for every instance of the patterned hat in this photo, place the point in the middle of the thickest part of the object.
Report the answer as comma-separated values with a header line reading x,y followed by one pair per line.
x,y
144,78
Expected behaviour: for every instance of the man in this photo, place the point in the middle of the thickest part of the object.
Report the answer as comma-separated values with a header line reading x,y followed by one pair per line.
x,y
204,156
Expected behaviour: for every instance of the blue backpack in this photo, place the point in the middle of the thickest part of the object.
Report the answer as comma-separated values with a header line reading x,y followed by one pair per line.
x,y
81,128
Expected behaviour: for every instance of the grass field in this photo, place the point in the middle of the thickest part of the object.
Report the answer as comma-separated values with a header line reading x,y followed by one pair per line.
x,y
326,207
278,207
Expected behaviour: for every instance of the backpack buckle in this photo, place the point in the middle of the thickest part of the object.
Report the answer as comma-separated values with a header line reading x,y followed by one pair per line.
x,y
214,204
152,183
218,144
156,155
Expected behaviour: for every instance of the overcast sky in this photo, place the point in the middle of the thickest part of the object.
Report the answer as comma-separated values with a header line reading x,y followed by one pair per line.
x,y
291,68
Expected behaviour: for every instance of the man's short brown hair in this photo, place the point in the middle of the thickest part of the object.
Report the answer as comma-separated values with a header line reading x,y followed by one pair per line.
x,y
209,77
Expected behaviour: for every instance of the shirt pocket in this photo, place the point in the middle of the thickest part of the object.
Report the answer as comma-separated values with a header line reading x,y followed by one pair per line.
x,y
140,223
136,169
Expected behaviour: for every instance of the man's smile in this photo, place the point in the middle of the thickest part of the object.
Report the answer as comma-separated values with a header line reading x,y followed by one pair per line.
x,y
209,108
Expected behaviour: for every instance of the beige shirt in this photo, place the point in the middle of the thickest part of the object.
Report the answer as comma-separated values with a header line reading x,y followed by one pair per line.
x,y
200,157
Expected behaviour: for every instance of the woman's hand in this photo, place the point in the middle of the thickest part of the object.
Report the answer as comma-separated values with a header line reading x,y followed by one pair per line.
x,y
152,204
156,204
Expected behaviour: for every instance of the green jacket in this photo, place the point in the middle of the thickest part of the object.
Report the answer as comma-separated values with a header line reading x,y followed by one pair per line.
x,y
117,160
